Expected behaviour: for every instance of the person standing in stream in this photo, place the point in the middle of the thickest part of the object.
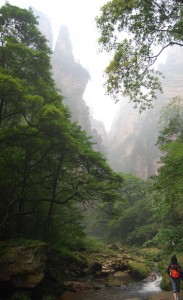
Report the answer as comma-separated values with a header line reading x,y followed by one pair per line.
x,y
174,272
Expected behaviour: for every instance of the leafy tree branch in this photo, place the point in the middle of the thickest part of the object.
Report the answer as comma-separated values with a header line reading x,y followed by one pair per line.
x,y
131,31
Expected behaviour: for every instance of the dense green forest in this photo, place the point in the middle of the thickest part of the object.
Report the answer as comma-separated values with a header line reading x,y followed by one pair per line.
x,y
54,186
48,165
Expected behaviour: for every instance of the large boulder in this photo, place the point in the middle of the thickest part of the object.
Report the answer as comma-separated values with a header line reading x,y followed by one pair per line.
x,y
23,266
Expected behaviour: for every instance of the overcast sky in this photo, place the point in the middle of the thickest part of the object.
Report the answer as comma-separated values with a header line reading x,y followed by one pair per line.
x,y
79,17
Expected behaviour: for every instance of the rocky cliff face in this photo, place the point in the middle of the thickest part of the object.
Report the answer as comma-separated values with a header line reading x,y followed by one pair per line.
x,y
99,136
132,142
71,78
132,139
99,126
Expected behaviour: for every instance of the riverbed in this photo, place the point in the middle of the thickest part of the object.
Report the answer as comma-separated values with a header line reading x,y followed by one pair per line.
x,y
133,290
141,290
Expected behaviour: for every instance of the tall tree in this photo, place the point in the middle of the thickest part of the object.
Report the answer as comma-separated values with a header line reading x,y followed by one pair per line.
x,y
47,162
167,190
136,32
26,82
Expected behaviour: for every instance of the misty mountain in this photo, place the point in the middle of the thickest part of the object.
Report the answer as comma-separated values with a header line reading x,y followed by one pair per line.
x,y
71,77
130,146
132,141
133,136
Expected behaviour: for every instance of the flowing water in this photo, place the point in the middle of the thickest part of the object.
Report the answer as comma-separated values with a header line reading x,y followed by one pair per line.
x,y
140,290
151,287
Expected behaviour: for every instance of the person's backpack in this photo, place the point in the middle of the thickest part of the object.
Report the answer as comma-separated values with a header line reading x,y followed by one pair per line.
x,y
174,271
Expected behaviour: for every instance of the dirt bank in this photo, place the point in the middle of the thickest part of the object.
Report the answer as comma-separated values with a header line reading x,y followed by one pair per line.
x,y
165,296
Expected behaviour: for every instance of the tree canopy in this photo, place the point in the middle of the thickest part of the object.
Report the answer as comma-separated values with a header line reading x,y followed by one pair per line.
x,y
136,32
48,165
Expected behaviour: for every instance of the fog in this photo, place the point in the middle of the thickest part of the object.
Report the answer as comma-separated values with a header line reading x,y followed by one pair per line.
x,y
131,143
79,17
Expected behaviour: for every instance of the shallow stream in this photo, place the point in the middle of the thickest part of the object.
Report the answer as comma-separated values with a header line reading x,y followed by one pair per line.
x,y
140,290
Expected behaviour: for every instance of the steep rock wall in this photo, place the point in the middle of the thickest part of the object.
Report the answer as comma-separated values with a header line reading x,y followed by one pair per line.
x,y
71,78
133,136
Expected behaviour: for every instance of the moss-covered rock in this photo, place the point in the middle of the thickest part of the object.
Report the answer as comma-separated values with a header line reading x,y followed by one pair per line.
x,y
140,270
23,265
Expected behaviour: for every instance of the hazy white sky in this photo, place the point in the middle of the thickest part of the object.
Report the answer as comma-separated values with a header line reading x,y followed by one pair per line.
x,y
79,17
